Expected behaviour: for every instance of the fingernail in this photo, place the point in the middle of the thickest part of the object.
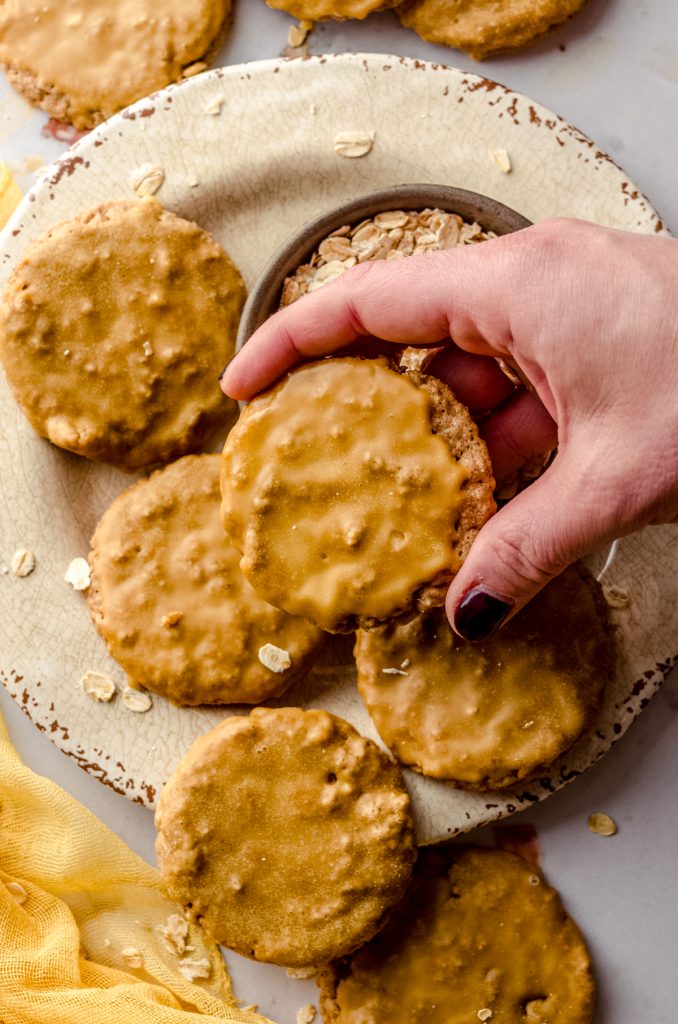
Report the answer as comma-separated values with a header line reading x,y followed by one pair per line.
x,y
222,374
480,613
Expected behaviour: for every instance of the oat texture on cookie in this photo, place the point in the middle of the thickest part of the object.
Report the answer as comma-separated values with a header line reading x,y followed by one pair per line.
x,y
487,715
485,27
113,329
287,834
168,596
347,497
480,935
321,10
83,60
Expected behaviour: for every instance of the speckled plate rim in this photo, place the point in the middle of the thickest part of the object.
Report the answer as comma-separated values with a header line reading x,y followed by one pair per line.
x,y
50,500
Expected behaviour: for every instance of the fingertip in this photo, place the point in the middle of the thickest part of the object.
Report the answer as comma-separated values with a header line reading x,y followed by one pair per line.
x,y
478,612
231,383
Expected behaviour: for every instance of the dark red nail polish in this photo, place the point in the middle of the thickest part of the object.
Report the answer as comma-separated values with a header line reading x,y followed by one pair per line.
x,y
480,613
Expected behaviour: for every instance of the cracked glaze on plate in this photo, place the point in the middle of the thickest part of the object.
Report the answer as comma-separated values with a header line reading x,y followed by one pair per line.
x,y
251,174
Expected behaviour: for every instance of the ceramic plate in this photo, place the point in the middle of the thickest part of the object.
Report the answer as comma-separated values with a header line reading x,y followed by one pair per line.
x,y
248,153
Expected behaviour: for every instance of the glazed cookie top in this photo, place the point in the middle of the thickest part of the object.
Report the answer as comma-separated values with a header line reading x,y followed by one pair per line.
x,y
343,499
101,55
479,936
168,596
319,10
114,328
486,715
287,834
482,27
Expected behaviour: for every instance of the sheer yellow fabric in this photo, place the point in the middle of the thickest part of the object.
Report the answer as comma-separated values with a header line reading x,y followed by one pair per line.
x,y
85,928
10,194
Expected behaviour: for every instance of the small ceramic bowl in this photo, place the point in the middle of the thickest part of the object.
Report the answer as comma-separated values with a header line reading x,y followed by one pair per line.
x,y
264,299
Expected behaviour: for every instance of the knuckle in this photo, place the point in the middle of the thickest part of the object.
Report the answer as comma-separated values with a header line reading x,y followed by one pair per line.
x,y
523,559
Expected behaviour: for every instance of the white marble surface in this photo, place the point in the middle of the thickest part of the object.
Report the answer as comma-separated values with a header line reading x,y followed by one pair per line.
x,y
616,80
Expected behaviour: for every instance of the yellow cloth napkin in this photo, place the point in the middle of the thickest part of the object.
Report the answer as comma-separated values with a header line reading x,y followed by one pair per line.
x,y
87,935
10,194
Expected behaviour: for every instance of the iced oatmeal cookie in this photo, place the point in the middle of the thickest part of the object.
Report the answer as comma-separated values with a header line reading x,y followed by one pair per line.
x,y
168,596
113,329
287,835
354,492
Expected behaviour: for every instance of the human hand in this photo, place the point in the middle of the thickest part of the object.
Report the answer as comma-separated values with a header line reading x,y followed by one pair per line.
x,y
590,316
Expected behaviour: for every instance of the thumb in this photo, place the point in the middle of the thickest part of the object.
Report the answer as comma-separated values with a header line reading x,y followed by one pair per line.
x,y
528,542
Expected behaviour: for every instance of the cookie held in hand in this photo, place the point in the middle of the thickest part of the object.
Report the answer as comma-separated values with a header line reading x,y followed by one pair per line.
x,y
354,492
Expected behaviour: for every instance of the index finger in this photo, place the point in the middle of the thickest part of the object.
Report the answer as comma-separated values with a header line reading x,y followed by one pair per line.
x,y
462,294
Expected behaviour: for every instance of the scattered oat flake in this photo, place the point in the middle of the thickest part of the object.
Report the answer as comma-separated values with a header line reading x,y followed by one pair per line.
x,y
175,933
148,348
602,824
98,685
302,973
4,569
274,658
214,106
306,1014
23,562
17,892
405,663
393,672
137,700
194,69
501,158
484,1014
617,597
353,144
193,968
132,956
78,574
313,109
534,880
147,179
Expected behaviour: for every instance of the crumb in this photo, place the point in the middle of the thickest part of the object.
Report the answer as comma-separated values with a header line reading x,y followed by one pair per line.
x,y
171,619
78,574
302,973
214,106
98,685
193,968
306,1014
175,933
